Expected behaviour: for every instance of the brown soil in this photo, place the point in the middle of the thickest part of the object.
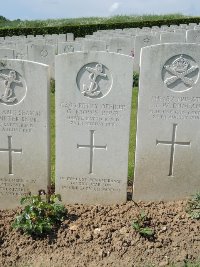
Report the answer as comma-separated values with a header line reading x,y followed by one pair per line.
x,y
104,236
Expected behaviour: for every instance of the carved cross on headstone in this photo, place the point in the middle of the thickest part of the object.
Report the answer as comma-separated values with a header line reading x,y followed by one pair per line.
x,y
10,150
92,147
172,143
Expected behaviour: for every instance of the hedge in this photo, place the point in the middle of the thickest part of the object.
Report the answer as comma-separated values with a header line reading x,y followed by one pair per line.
x,y
82,30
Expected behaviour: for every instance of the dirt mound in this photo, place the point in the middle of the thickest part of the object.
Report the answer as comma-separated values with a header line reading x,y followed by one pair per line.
x,y
104,236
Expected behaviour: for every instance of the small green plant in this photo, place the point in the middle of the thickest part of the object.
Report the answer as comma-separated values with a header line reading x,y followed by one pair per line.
x,y
41,213
140,224
193,207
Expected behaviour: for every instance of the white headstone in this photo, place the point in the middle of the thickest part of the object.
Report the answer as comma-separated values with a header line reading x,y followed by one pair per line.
x,y
30,36
24,131
183,31
167,142
43,54
174,27
155,28
93,45
35,41
51,39
93,104
164,27
142,41
145,30
122,45
193,36
68,47
21,50
79,39
70,37
39,36
131,31
183,26
197,27
19,38
90,36
7,53
192,24
8,38
170,37
9,44
62,37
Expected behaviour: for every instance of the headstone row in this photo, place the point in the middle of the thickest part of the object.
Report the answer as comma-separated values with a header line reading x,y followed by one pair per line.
x,y
93,105
43,49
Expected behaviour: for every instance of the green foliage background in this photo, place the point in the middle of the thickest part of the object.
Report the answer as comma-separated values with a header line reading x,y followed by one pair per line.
x,y
82,26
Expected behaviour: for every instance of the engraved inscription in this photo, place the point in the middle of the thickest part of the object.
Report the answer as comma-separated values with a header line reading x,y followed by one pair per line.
x,y
12,87
10,186
91,184
172,143
92,147
180,73
93,114
15,186
175,107
94,80
10,150
22,121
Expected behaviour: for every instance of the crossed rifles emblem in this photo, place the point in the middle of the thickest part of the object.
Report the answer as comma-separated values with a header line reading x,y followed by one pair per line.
x,y
180,68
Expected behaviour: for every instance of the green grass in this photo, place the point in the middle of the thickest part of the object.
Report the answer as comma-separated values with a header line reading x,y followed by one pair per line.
x,y
84,21
52,128
131,160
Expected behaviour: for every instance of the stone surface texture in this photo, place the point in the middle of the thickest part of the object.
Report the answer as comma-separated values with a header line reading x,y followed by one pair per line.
x,y
24,131
93,103
167,142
